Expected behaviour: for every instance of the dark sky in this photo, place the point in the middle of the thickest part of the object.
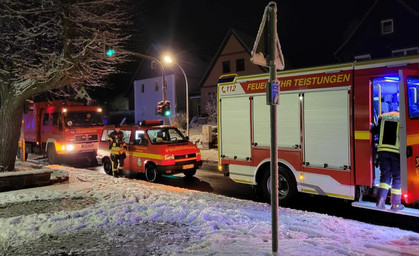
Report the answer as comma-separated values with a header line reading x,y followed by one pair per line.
x,y
309,31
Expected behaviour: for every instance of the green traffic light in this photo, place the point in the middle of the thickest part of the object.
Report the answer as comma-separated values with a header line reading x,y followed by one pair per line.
x,y
167,113
110,52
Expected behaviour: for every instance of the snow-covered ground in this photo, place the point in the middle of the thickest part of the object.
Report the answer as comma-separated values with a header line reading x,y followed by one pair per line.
x,y
96,214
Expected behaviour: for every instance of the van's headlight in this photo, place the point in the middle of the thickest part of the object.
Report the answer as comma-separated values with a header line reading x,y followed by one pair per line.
x,y
169,157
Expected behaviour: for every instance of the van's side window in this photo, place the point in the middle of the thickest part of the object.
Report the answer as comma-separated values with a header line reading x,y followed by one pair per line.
x,y
127,135
140,138
105,135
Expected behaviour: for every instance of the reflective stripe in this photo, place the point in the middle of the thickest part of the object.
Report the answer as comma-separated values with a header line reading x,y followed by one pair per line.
x,y
396,191
362,135
384,186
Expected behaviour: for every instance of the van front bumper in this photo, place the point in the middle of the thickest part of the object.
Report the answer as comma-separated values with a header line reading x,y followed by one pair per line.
x,y
179,168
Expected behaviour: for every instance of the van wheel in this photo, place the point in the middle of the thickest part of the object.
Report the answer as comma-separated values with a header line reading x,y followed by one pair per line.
x,y
52,154
107,166
287,186
151,173
189,173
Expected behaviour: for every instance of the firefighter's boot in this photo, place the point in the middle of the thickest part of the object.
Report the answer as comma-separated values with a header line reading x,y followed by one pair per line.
x,y
120,173
381,199
396,204
115,173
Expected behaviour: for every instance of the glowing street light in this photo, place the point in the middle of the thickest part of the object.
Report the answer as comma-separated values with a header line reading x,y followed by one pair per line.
x,y
169,60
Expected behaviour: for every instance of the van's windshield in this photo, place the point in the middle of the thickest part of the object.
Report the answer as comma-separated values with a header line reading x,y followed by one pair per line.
x,y
165,136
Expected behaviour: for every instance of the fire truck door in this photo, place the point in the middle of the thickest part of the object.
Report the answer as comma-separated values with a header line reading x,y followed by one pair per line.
x,y
409,134
45,125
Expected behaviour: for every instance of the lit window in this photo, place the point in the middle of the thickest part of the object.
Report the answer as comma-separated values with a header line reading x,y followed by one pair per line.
x,y
386,26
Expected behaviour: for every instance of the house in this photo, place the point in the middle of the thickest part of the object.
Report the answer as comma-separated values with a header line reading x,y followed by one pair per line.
x,y
148,84
390,28
233,56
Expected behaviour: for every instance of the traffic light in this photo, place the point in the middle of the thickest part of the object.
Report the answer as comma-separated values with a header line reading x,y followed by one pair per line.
x,y
166,108
160,107
110,52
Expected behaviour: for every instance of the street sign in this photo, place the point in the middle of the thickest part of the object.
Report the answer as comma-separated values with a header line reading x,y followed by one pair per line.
x,y
260,52
273,93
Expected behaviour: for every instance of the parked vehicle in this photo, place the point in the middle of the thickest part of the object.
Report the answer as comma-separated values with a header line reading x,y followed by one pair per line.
x,y
63,130
324,116
152,149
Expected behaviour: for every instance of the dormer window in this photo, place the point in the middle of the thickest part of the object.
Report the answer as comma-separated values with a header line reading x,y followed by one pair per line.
x,y
387,26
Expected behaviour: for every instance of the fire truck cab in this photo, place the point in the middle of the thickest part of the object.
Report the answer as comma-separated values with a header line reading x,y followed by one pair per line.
x,y
323,124
152,149
63,130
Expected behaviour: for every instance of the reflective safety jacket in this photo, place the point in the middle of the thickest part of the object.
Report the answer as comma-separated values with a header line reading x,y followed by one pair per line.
x,y
117,143
389,132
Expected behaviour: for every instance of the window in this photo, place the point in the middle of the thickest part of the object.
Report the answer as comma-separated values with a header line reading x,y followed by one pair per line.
x,y
46,119
386,27
413,97
140,138
226,67
240,65
165,136
363,57
105,135
156,86
406,51
142,88
153,65
55,120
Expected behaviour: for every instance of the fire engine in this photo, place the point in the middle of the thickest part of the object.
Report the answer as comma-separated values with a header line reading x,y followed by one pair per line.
x,y
63,130
152,149
323,122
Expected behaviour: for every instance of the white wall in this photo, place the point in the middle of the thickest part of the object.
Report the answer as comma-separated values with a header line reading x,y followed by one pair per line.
x,y
145,103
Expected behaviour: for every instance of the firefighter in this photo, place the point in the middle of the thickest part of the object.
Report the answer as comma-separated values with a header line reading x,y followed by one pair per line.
x,y
117,146
389,157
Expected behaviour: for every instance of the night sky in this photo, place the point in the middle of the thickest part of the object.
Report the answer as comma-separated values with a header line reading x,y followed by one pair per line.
x,y
309,31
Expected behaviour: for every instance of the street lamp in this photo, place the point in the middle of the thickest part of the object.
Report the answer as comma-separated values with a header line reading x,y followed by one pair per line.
x,y
110,52
167,59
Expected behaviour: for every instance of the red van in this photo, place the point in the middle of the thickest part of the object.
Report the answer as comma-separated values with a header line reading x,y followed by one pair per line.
x,y
152,149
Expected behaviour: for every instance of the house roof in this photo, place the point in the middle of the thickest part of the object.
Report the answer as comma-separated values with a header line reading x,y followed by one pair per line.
x,y
244,39
403,3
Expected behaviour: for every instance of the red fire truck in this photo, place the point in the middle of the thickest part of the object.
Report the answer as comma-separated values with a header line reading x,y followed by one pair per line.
x,y
63,130
152,149
324,116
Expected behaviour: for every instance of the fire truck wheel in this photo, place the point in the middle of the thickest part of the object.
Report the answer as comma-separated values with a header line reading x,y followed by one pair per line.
x,y
286,186
52,154
107,166
189,173
151,173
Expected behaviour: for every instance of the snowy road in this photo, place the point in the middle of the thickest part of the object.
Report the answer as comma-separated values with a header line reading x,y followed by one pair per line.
x,y
96,214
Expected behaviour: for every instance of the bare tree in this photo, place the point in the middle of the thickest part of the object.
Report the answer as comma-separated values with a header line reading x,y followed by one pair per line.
x,y
49,44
